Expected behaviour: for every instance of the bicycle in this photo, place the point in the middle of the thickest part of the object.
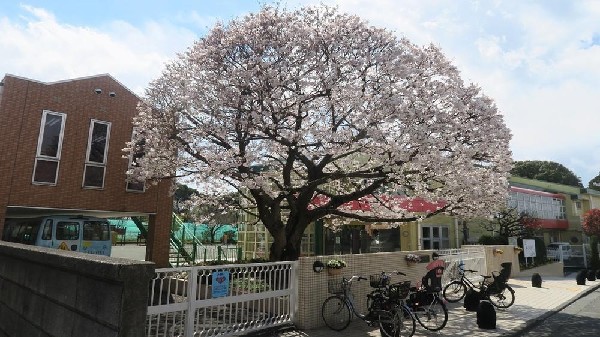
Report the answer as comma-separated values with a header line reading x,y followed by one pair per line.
x,y
426,304
421,304
498,292
337,310
393,295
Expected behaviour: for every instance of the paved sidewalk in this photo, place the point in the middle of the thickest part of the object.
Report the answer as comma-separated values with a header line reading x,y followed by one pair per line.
x,y
531,304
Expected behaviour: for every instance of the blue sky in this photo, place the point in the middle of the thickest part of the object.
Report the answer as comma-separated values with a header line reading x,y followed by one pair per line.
x,y
539,60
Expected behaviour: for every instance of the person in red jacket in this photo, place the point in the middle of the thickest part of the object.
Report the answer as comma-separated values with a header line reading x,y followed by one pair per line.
x,y
436,262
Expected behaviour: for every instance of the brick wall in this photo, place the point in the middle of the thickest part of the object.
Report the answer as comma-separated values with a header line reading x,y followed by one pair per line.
x,y
312,287
21,107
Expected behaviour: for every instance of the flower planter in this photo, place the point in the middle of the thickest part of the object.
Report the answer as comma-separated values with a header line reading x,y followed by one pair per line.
x,y
334,271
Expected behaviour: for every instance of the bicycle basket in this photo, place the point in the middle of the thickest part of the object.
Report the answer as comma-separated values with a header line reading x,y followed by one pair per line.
x,y
399,291
335,286
379,280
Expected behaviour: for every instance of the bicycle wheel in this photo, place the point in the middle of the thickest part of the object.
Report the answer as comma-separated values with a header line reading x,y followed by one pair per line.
x,y
401,323
504,298
454,291
432,315
336,313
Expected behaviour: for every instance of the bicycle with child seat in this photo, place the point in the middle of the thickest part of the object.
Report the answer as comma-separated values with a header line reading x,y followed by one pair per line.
x,y
498,292
420,304
393,295
426,305
337,309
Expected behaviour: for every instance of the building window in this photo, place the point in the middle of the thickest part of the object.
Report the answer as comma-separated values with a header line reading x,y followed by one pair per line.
x,y
97,149
538,206
47,233
435,237
137,153
577,207
49,148
67,230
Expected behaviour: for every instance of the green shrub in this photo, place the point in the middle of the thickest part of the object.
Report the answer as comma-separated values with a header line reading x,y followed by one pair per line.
x,y
492,240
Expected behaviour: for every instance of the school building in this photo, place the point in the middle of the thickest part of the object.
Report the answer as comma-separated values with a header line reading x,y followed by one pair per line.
x,y
62,154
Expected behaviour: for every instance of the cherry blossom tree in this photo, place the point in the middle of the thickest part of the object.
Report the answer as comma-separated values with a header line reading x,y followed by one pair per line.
x,y
307,113
591,227
591,222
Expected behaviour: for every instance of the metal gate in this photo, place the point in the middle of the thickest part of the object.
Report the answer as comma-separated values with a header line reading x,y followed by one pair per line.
x,y
221,300
579,254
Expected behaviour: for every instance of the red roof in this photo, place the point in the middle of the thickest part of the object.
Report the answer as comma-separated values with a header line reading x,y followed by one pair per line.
x,y
364,204
534,192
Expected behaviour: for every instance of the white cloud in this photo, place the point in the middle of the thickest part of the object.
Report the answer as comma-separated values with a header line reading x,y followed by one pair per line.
x,y
39,47
539,60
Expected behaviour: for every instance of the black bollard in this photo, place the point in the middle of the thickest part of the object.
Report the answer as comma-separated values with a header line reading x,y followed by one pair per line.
x,y
536,280
598,274
591,275
581,276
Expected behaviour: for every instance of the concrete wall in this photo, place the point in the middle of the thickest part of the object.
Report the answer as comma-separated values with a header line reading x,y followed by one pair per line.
x,y
50,292
555,269
494,258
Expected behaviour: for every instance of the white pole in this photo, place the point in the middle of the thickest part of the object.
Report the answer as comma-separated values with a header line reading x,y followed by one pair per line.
x,y
419,235
456,232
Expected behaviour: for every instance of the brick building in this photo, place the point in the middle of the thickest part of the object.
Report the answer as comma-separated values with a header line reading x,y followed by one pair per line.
x,y
61,153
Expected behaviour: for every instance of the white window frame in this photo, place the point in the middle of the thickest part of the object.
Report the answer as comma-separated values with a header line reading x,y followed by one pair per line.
x,y
89,163
39,156
577,207
441,239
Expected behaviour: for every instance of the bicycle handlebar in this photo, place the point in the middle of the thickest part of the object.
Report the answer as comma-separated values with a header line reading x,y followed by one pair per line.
x,y
396,272
356,278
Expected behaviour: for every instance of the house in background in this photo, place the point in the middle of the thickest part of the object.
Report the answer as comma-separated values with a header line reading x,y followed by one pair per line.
x,y
62,154
560,208
355,237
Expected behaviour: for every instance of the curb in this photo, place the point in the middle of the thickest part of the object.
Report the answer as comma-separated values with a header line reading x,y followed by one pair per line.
x,y
532,323
268,332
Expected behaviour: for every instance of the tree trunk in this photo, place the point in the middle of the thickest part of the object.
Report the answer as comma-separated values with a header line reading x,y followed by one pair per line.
x,y
285,248
595,260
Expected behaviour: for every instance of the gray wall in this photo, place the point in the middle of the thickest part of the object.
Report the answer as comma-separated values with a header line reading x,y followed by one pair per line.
x,y
50,292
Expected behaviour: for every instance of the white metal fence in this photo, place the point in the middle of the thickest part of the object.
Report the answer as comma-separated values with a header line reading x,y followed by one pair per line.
x,y
221,300
468,258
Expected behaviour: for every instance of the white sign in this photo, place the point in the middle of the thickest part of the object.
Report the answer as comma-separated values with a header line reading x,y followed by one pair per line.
x,y
529,248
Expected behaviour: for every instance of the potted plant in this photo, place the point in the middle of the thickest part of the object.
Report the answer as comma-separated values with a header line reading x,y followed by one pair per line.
x,y
412,259
335,266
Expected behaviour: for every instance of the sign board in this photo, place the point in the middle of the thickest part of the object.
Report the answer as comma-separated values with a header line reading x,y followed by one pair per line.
x,y
512,240
220,284
528,248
